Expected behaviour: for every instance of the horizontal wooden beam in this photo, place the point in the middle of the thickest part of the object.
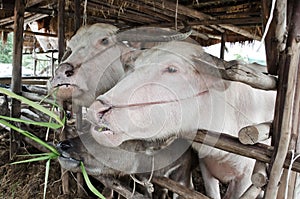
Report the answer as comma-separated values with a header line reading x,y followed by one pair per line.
x,y
178,188
29,32
261,152
26,80
200,16
234,21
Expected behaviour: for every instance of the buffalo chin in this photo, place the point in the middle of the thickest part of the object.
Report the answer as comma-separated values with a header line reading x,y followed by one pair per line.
x,y
107,137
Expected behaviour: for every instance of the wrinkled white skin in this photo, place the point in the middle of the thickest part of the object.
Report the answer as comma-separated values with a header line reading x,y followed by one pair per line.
x,y
95,63
168,94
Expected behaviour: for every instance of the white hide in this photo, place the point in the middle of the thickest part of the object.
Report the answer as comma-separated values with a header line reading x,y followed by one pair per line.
x,y
95,63
169,94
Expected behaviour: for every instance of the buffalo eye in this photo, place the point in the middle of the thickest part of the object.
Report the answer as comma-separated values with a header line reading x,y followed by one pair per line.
x,y
105,41
171,69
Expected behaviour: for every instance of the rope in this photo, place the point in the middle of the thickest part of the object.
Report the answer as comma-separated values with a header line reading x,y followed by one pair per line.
x,y
293,159
147,184
268,24
84,14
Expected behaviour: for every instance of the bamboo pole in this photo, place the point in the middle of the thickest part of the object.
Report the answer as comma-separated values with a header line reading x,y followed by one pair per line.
x,y
291,66
295,128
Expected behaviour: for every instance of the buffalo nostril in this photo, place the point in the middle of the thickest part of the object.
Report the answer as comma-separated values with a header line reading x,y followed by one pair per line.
x,y
69,73
102,112
65,145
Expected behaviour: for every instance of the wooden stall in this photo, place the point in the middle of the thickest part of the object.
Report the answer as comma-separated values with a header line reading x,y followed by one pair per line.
x,y
276,23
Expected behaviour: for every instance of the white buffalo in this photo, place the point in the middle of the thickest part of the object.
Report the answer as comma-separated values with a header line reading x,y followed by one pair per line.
x,y
96,58
172,91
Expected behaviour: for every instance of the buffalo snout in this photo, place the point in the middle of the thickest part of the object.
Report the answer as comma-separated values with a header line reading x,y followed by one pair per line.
x,y
97,110
65,69
65,145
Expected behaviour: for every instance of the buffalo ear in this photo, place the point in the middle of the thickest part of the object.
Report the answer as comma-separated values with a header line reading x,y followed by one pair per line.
x,y
221,85
129,57
213,70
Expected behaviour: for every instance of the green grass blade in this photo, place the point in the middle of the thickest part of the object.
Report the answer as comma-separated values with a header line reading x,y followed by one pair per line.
x,y
32,104
88,182
31,136
44,124
35,155
41,158
46,177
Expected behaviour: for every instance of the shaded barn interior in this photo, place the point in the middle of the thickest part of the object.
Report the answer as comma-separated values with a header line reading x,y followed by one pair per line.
x,y
238,20
47,24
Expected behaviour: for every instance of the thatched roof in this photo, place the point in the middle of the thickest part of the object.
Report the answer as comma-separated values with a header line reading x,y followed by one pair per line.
x,y
238,20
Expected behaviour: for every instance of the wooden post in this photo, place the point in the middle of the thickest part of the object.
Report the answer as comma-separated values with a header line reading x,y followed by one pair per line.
x,y
79,176
34,57
286,98
16,84
274,41
77,18
61,29
77,24
52,64
296,191
223,41
61,49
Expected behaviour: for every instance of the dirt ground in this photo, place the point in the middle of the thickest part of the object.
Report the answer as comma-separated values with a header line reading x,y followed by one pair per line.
x,y
26,181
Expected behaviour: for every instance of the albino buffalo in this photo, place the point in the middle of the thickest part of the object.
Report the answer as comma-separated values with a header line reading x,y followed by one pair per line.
x,y
96,58
174,89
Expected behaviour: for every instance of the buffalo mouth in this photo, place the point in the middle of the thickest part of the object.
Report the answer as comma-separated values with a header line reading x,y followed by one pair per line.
x,y
68,162
102,129
66,90
66,85
105,136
